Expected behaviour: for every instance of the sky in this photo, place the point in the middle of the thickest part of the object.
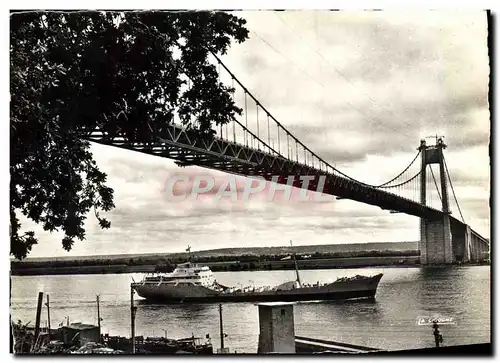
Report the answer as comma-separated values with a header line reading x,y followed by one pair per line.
x,y
358,88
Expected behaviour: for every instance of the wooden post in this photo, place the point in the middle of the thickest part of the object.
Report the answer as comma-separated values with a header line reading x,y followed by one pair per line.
x,y
221,328
37,322
132,318
98,318
48,314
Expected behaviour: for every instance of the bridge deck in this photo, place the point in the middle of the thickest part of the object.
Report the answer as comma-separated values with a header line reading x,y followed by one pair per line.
x,y
187,149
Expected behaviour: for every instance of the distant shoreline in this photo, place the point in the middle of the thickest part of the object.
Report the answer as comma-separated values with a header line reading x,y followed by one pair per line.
x,y
239,251
231,266
236,263
310,257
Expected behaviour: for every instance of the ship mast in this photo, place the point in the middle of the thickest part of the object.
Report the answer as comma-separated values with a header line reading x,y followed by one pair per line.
x,y
296,266
188,250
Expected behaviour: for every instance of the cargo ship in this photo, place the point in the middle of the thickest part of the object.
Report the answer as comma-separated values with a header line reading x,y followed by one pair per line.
x,y
195,283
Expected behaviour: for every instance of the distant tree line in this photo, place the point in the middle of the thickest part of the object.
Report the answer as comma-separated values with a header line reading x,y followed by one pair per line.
x,y
245,262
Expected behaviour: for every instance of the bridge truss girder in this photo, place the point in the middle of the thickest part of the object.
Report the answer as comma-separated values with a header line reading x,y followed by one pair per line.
x,y
188,149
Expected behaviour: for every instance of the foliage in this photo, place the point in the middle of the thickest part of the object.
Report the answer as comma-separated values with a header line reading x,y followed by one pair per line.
x,y
221,263
125,74
164,268
22,338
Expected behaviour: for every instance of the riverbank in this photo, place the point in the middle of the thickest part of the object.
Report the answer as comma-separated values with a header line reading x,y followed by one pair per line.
x,y
235,265
234,259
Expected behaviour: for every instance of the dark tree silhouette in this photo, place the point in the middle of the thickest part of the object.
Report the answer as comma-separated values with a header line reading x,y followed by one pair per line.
x,y
121,73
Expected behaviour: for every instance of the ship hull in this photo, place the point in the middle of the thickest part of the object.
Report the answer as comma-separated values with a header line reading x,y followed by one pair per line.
x,y
363,289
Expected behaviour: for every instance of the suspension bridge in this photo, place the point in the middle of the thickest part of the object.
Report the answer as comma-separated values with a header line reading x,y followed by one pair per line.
x,y
255,144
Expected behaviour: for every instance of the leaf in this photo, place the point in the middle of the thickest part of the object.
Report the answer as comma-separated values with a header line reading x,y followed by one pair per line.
x,y
77,71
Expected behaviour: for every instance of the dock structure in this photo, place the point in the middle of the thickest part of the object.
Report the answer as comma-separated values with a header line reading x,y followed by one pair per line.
x,y
277,334
277,328
305,345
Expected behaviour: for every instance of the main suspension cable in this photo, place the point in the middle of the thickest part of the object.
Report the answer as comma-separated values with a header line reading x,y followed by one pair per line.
x,y
297,141
403,183
435,183
408,167
453,190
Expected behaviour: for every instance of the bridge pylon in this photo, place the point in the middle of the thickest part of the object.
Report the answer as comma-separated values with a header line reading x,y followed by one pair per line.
x,y
435,233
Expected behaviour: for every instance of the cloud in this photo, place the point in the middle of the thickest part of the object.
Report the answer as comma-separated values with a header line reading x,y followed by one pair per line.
x,y
400,83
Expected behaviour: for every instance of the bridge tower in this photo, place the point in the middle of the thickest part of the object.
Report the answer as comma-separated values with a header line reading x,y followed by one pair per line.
x,y
435,234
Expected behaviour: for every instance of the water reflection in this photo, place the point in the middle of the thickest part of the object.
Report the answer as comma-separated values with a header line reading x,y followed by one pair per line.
x,y
455,292
182,307
439,272
177,311
370,312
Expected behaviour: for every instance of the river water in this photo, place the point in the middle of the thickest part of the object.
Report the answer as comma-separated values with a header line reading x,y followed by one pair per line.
x,y
404,295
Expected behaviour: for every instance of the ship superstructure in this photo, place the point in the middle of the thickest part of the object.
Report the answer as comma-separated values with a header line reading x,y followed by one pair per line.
x,y
185,274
